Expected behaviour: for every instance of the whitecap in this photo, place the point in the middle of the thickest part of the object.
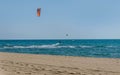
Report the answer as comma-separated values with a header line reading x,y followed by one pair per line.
x,y
84,46
56,45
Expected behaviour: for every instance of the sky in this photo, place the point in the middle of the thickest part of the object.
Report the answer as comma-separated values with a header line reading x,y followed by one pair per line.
x,y
80,19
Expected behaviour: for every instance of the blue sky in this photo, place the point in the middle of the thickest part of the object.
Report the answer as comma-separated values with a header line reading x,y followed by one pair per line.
x,y
81,19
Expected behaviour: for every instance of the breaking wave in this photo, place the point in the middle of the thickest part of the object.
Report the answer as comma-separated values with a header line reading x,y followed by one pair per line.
x,y
84,46
56,45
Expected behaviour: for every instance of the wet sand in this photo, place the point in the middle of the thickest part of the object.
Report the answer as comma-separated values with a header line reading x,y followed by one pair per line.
x,y
30,64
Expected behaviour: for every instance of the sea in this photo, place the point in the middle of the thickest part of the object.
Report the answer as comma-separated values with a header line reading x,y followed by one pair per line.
x,y
99,48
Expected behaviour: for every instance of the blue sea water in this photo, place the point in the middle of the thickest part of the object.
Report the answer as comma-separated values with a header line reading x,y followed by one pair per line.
x,y
86,48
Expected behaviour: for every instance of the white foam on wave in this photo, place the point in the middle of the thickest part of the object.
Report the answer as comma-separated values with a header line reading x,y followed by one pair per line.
x,y
56,45
84,46
66,46
71,46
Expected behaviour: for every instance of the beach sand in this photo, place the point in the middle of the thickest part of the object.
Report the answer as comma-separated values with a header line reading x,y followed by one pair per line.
x,y
30,64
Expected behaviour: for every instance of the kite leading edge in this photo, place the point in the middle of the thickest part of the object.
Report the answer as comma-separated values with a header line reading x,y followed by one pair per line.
x,y
38,12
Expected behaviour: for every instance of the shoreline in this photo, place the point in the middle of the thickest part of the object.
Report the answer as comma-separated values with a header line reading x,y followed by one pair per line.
x,y
34,64
64,55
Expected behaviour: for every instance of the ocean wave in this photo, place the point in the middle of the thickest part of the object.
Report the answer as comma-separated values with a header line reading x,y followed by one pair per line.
x,y
84,46
111,46
56,45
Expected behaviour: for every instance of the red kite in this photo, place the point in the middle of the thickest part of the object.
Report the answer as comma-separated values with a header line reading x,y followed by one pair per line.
x,y
38,12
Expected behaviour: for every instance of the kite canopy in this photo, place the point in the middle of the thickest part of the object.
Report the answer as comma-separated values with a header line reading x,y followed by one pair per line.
x,y
38,12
